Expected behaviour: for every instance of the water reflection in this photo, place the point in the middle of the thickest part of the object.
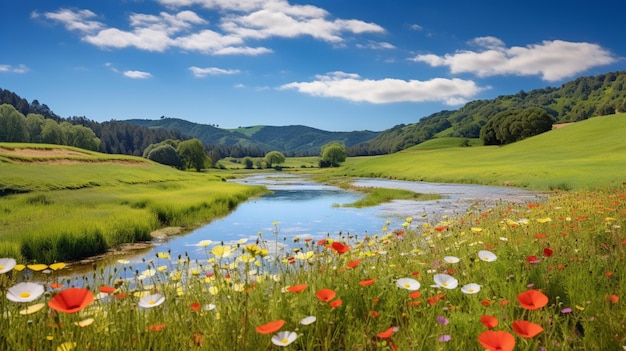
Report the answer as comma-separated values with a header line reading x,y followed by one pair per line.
x,y
306,209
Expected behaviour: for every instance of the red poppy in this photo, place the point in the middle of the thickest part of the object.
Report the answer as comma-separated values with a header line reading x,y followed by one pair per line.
x,y
353,263
532,259
107,289
322,242
297,288
374,314
340,247
548,252
367,282
497,340
613,298
307,240
540,236
195,306
270,327
156,327
385,334
71,300
485,302
56,285
489,321
526,329
504,302
414,303
532,299
336,303
415,294
325,294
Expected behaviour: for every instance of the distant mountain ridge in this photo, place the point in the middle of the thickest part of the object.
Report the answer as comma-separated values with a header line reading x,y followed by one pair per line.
x,y
293,140
574,101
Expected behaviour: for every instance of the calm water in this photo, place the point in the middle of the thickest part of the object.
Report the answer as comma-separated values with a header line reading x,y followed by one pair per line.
x,y
307,209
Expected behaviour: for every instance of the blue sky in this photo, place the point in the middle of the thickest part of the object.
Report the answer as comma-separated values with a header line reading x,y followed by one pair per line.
x,y
336,65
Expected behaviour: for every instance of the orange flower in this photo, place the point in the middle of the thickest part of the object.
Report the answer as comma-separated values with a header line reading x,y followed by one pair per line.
x,y
107,289
198,339
297,288
374,314
367,282
385,334
195,306
156,327
532,299
71,300
325,294
415,303
353,263
497,340
526,329
415,294
485,302
489,321
56,285
340,247
336,303
613,298
270,327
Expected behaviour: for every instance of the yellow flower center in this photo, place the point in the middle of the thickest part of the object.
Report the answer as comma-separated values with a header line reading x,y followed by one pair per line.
x,y
471,290
1,267
25,295
444,284
407,285
485,258
284,341
151,302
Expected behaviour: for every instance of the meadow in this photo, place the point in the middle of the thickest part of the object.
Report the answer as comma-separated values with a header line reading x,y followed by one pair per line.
x,y
526,276
65,204
516,276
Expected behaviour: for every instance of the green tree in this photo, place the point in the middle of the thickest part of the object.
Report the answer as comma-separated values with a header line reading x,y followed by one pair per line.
x,y
248,163
333,154
165,154
192,154
513,125
34,123
274,157
51,133
85,138
12,125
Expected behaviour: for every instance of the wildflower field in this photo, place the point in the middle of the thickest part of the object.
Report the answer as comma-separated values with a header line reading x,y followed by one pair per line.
x,y
524,276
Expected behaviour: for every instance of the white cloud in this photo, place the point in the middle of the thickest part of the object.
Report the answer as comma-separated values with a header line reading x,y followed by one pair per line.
x,y
352,87
14,69
137,74
376,45
74,20
211,71
552,60
240,21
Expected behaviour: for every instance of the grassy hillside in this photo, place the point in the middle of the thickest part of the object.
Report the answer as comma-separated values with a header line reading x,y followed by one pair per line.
x,y
61,203
583,155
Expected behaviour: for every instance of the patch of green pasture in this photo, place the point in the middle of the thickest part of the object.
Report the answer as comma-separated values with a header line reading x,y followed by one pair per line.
x,y
377,196
584,155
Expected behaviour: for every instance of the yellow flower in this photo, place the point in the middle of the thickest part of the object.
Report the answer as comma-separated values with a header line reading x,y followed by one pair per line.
x,y
32,309
544,220
162,268
57,266
205,243
213,290
37,267
476,230
246,258
222,251
163,255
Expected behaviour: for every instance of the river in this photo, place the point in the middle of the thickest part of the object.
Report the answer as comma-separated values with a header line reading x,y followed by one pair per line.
x,y
298,207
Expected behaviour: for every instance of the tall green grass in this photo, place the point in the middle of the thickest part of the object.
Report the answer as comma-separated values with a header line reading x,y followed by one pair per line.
x,y
64,212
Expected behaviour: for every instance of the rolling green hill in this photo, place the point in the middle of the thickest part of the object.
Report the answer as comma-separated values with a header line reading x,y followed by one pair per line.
x,y
583,155
295,140
574,101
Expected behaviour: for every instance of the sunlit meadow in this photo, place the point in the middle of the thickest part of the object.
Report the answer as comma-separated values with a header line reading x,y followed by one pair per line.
x,y
525,276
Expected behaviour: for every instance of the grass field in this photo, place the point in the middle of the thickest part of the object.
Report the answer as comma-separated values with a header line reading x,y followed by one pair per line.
x,y
66,204
584,155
